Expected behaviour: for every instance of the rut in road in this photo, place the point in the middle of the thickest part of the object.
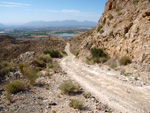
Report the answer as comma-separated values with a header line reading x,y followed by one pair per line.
x,y
119,95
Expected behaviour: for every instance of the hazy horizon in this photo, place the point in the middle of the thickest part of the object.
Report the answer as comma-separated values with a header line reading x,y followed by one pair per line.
x,y
42,21
17,12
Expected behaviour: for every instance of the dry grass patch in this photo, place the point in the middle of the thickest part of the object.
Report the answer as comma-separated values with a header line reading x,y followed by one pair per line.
x,y
15,87
6,67
68,87
30,74
53,53
125,60
76,104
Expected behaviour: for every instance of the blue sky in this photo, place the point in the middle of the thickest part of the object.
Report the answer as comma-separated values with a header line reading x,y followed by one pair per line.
x,y
22,11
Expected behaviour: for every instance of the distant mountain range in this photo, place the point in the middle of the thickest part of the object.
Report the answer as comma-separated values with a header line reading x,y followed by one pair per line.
x,y
1,25
65,23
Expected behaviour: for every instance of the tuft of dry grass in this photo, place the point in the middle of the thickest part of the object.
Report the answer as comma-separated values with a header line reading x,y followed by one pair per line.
x,y
125,60
76,104
30,74
68,87
15,87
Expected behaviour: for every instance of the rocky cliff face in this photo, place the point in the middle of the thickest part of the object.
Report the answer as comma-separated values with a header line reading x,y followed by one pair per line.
x,y
123,29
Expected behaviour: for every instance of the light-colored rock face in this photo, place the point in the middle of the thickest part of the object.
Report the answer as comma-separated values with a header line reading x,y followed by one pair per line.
x,y
125,30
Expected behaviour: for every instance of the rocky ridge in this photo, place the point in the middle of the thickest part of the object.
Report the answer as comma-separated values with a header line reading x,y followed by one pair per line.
x,y
123,29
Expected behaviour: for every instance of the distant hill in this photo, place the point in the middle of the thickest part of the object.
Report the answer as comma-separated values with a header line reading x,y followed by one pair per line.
x,y
65,23
1,25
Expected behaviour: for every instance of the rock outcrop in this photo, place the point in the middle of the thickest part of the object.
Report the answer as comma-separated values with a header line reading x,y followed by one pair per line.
x,y
123,29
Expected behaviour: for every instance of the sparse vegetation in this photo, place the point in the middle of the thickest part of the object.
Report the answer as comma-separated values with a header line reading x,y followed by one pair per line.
x,y
21,67
41,61
30,74
112,63
6,67
68,87
15,87
45,58
39,74
118,8
59,95
53,111
38,62
76,104
135,1
46,87
119,13
110,16
127,74
98,56
48,74
101,31
125,60
86,95
98,52
114,7
123,71
136,78
115,25
64,53
9,97
50,66
53,53
99,28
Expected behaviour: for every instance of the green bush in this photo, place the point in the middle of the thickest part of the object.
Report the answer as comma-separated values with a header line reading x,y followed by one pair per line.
x,y
125,60
21,67
110,16
98,53
45,58
64,53
119,13
15,87
99,28
6,67
53,53
135,1
76,104
30,74
87,95
50,66
68,87
38,62
115,25
101,31
53,111
41,60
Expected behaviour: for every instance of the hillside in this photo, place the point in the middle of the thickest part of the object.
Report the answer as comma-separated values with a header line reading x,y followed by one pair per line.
x,y
32,79
123,29
10,45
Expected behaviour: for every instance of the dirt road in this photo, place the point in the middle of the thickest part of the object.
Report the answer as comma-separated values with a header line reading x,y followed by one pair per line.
x,y
119,95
